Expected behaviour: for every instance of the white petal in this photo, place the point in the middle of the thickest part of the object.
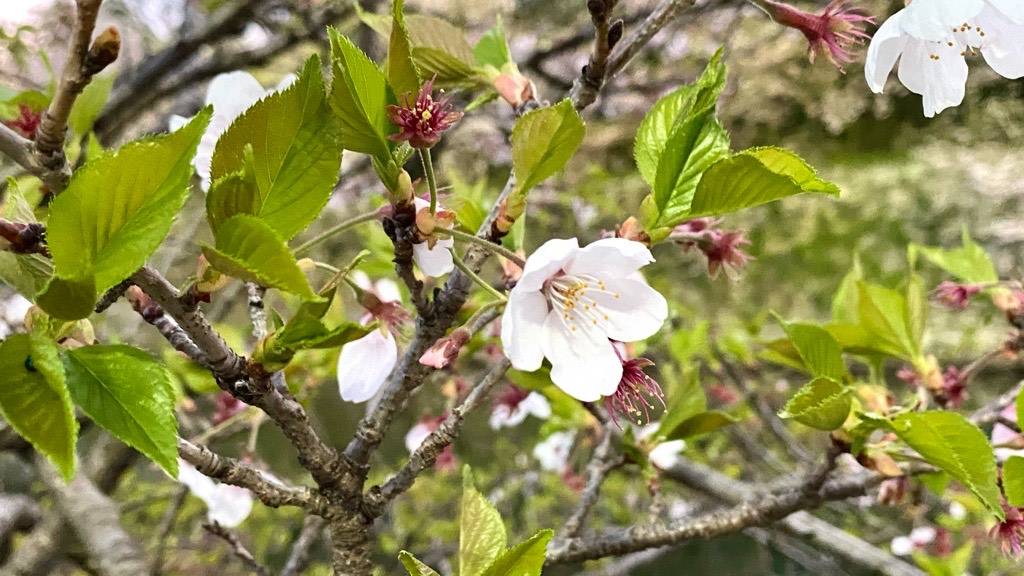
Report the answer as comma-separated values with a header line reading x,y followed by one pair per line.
x,y
552,257
941,82
666,454
362,280
611,258
536,405
636,314
521,326
553,452
200,485
436,261
175,122
415,436
230,506
232,92
886,46
583,364
901,546
1012,9
1005,51
935,19
501,417
923,535
365,364
387,290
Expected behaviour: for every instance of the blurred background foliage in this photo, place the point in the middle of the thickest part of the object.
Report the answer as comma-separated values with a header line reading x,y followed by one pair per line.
x,y
904,179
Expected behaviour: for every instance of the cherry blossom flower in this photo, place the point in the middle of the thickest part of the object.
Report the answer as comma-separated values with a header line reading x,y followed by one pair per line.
x,y
569,305
422,120
1010,532
433,256
722,248
830,33
932,38
226,505
663,455
954,295
231,94
26,123
514,404
635,395
918,539
553,452
446,349
365,364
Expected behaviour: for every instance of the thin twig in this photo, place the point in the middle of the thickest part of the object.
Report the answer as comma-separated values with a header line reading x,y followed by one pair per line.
x,y
237,548
164,528
298,557
601,463
487,245
333,231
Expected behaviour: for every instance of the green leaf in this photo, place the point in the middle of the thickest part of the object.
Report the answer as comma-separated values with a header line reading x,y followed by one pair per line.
x,y
885,317
481,533
34,399
26,273
119,207
414,567
700,424
305,332
950,442
687,399
817,348
400,69
130,395
845,301
917,308
1013,480
524,559
359,95
492,48
823,403
543,141
230,195
440,50
969,263
677,141
68,298
90,103
1019,403
247,248
754,177
296,155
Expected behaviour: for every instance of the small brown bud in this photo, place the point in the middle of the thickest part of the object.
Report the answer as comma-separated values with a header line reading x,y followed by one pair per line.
x,y
598,10
104,50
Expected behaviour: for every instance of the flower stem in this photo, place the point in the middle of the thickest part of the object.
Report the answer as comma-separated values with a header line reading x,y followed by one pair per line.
x,y
338,229
476,278
487,245
428,171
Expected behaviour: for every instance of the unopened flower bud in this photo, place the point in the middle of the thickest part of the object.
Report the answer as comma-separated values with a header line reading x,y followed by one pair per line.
x,y
446,349
104,50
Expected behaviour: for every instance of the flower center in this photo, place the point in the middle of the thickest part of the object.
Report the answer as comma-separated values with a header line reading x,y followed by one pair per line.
x,y
573,296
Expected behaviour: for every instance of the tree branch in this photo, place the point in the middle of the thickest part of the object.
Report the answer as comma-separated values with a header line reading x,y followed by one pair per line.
x,y
236,473
603,461
237,548
298,557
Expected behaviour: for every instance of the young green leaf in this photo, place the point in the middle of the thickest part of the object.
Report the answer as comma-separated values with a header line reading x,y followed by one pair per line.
x,y
969,263
414,567
917,308
401,71
754,177
295,154
90,103
118,208
524,559
359,95
687,399
129,394
481,532
950,442
492,48
823,403
885,316
700,424
68,298
543,141
817,348
1013,480
35,401
845,301
247,248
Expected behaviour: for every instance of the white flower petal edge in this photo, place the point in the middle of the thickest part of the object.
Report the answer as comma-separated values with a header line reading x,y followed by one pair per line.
x,y
666,454
934,19
365,364
569,304
553,452
227,505
416,435
436,261
535,404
